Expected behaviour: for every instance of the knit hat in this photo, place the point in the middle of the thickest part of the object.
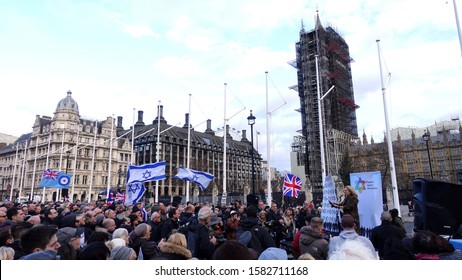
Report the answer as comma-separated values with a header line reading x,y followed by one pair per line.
x,y
273,253
121,253
215,219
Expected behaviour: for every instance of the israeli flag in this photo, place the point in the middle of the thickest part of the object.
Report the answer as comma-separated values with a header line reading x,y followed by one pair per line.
x,y
134,193
147,172
201,178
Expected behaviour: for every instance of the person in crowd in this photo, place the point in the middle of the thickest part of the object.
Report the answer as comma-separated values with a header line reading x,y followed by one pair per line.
x,y
186,216
155,223
300,218
277,222
380,234
348,234
122,253
306,256
353,249
49,216
6,253
312,240
34,220
233,250
263,239
110,225
90,223
37,239
6,238
17,231
121,233
199,242
139,241
289,224
171,224
69,238
273,253
349,205
98,236
175,248
4,222
430,246
94,251
296,241
15,215
397,220
232,224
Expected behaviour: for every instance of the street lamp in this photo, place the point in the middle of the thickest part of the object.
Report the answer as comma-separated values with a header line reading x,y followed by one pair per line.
x,y
426,138
119,171
65,192
251,122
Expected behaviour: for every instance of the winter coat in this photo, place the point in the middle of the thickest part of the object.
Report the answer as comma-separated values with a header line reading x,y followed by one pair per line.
x,y
311,241
350,206
263,235
148,248
204,248
171,251
382,233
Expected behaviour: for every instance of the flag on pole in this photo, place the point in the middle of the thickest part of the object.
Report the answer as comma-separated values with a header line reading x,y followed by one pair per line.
x,y
120,197
134,193
201,178
146,172
292,185
54,179
110,198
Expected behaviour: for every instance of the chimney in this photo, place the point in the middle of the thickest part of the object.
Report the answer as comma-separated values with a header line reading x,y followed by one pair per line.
x,y
244,137
209,127
186,121
160,109
140,119
119,127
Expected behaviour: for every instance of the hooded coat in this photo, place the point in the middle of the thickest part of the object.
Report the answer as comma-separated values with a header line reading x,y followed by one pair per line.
x,y
171,251
312,242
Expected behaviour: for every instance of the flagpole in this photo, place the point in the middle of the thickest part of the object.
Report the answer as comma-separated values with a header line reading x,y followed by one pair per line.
x,y
23,171
394,183
158,150
132,158
268,145
34,170
189,147
58,193
92,160
110,160
46,164
458,24
225,132
75,164
14,171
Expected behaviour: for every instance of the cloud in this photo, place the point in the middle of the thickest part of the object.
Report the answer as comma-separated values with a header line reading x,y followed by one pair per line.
x,y
140,30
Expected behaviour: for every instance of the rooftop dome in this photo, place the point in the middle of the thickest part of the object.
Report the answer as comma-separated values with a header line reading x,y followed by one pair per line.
x,y
68,103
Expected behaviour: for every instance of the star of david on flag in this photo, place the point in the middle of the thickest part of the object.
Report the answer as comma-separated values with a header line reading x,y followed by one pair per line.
x,y
292,185
134,193
146,172
201,178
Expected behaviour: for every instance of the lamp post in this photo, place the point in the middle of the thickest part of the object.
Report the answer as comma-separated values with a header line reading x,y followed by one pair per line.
x,y
119,171
251,121
426,138
65,192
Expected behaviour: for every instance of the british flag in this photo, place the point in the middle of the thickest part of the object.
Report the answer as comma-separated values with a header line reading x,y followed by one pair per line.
x,y
50,174
292,185
120,197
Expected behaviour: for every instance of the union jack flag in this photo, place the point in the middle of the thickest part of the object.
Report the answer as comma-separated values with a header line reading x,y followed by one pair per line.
x,y
50,174
120,197
292,185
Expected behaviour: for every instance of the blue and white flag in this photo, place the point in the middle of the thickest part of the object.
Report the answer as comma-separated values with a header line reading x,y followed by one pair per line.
x,y
146,172
201,178
58,180
134,193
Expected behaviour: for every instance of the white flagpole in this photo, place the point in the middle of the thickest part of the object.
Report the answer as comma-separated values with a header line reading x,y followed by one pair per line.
x,y
92,160
58,193
394,183
14,171
157,151
110,159
458,24
225,132
46,164
189,147
132,157
268,145
75,164
33,172
23,171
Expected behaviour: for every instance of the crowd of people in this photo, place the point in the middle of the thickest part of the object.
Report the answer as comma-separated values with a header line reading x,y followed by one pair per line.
x,y
97,231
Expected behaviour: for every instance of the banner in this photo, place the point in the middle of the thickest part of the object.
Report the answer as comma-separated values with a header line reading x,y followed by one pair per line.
x,y
368,186
329,214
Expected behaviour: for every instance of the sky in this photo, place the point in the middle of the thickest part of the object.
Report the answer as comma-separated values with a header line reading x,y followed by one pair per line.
x,y
121,57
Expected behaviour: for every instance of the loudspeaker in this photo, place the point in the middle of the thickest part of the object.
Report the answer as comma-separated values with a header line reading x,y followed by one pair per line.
x,y
437,206
252,200
65,193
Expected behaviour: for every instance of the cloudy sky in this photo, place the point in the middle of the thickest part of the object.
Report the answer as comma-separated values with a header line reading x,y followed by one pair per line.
x,y
117,56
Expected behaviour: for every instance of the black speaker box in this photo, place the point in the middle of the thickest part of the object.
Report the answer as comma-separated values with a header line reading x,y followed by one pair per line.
x,y
437,206
252,200
176,201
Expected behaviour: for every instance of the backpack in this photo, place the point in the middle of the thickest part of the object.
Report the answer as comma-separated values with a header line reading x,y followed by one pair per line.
x,y
250,238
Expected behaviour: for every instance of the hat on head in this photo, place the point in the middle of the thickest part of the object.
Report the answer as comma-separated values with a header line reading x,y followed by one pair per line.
x,y
233,212
65,234
215,219
135,209
273,253
69,220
